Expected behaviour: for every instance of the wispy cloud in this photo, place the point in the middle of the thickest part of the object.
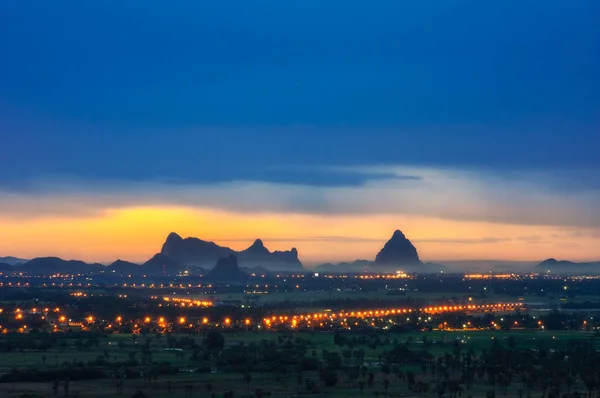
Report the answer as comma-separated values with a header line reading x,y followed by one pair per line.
x,y
443,193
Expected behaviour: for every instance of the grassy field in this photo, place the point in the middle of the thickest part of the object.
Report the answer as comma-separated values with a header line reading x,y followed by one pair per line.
x,y
117,347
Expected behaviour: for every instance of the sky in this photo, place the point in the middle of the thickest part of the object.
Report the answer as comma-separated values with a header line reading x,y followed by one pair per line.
x,y
474,127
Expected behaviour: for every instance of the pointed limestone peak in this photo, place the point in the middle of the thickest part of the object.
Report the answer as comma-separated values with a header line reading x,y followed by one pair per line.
x,y
172,241
398,235
258,247
398,251
174,237
258,243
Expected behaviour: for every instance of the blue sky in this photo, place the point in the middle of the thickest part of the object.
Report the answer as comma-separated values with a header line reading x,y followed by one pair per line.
x,y
322,94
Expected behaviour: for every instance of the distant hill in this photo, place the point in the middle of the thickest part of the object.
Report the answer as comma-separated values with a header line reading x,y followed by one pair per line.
x,y
55,265
121,267
4,267
554,265
12,260
356,266
227,270
397,254
258,271
398,251
194,251
158,265
161,264
489,265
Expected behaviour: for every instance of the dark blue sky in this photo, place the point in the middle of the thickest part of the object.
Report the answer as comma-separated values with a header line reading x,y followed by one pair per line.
x,y
199,91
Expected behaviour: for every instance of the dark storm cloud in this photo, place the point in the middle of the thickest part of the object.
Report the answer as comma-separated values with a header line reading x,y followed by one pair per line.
x,y
215,98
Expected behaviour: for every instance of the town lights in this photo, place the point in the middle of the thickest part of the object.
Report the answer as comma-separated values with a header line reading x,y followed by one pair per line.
x,y
147,319
119,319
182,320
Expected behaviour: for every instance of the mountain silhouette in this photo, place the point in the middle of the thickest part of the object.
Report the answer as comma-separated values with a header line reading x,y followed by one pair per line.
x,y
257,249
121,267
12,260
398,251
355,266
55,265
566,266
4,267
197,252
161,264
227,269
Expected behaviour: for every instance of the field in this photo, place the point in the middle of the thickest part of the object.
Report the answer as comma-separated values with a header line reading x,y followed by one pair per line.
x,y
118,347
133,343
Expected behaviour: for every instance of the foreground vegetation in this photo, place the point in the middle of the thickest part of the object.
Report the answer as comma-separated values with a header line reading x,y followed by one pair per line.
x,y
107,341
443,364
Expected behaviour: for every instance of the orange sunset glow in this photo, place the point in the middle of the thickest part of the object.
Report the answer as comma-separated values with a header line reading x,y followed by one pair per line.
x,y
137,233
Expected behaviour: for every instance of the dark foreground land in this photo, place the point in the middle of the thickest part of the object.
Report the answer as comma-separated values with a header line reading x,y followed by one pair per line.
x,y
387,338
477,364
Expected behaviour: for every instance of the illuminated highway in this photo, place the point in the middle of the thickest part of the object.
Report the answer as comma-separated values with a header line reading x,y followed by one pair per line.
x,y
343,317
59,319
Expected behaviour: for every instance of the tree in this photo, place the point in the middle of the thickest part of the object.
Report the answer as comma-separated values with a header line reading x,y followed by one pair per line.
x,y
386,385
189,388
440,389
421,388
214,341
370,380
386,369
66,387
329,377
247,380
361,386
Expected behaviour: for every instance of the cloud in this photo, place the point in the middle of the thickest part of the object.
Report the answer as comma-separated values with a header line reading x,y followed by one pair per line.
x,y
454,194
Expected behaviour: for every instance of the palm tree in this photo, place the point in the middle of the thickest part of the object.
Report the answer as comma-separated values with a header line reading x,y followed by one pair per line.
x,y
361,386
247,380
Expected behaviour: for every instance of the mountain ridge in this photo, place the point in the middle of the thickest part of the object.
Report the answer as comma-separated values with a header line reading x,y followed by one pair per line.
x,y
553,264
10,260
197,252
398,253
